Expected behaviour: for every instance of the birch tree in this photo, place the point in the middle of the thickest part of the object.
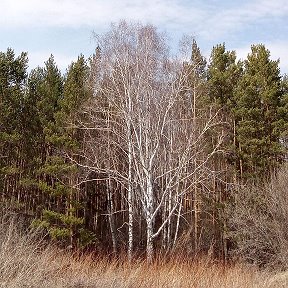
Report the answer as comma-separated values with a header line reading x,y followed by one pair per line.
x,y
142,87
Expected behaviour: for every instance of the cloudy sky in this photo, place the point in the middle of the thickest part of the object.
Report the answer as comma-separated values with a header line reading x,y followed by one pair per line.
x,y
64,27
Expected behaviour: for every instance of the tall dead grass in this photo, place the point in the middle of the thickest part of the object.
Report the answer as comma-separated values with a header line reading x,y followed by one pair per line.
x,y
26,261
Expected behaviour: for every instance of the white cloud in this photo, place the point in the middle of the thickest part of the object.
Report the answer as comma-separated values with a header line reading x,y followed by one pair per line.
x,y
74,12
207,19
224,21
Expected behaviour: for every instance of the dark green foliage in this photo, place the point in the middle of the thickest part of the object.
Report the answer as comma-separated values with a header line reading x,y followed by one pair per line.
x,y
59,114
38,133
223,75
251,103
13,73
283,113
259,123
196,82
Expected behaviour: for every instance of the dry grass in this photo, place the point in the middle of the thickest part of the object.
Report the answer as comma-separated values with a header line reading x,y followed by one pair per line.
x,y
23,263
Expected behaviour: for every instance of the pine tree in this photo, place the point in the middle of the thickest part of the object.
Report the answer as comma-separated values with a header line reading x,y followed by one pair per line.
x,y
257,115
196,81
13,75
224,73
46,89
65,221
68,140
195,108
283,114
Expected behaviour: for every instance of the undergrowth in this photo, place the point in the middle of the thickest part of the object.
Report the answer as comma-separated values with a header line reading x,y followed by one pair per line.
x,y
27,261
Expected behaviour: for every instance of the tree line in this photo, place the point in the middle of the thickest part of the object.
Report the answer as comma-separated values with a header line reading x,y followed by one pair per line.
x,y
136,149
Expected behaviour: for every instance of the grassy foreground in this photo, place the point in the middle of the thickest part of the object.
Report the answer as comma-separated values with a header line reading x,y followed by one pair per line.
x,y
25,262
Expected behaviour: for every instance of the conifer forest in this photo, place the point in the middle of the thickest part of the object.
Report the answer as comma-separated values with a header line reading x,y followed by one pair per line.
x,y
139,150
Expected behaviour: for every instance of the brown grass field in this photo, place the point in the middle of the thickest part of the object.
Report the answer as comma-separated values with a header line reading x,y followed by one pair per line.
x,y
27,262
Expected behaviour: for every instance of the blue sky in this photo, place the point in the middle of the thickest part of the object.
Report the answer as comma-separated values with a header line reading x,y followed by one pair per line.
x,y
64,27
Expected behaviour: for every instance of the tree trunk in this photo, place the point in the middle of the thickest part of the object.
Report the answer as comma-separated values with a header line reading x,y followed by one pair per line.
x,y
149,219
149,245
130,188
130,206
111,216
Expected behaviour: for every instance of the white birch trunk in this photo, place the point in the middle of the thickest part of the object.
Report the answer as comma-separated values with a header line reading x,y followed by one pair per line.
x,y
149,218
130,188
109,194
149,245
130,204
169,220
177,225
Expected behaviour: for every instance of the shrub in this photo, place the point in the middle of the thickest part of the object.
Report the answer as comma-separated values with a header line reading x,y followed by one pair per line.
x,y
258,220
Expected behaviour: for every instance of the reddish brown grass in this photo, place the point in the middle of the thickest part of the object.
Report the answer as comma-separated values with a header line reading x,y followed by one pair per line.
x,y
24,262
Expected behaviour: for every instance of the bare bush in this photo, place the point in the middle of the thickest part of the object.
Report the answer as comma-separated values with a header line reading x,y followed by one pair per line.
x,y
258,219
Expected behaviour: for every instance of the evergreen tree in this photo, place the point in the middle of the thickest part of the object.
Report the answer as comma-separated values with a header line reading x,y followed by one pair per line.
x,y
43,133
196,82
259,125
13,74
283,113
45,89
195,109
76,93
224,73
66,222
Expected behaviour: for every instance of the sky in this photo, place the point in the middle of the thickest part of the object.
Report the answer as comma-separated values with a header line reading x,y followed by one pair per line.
x,y
64,28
